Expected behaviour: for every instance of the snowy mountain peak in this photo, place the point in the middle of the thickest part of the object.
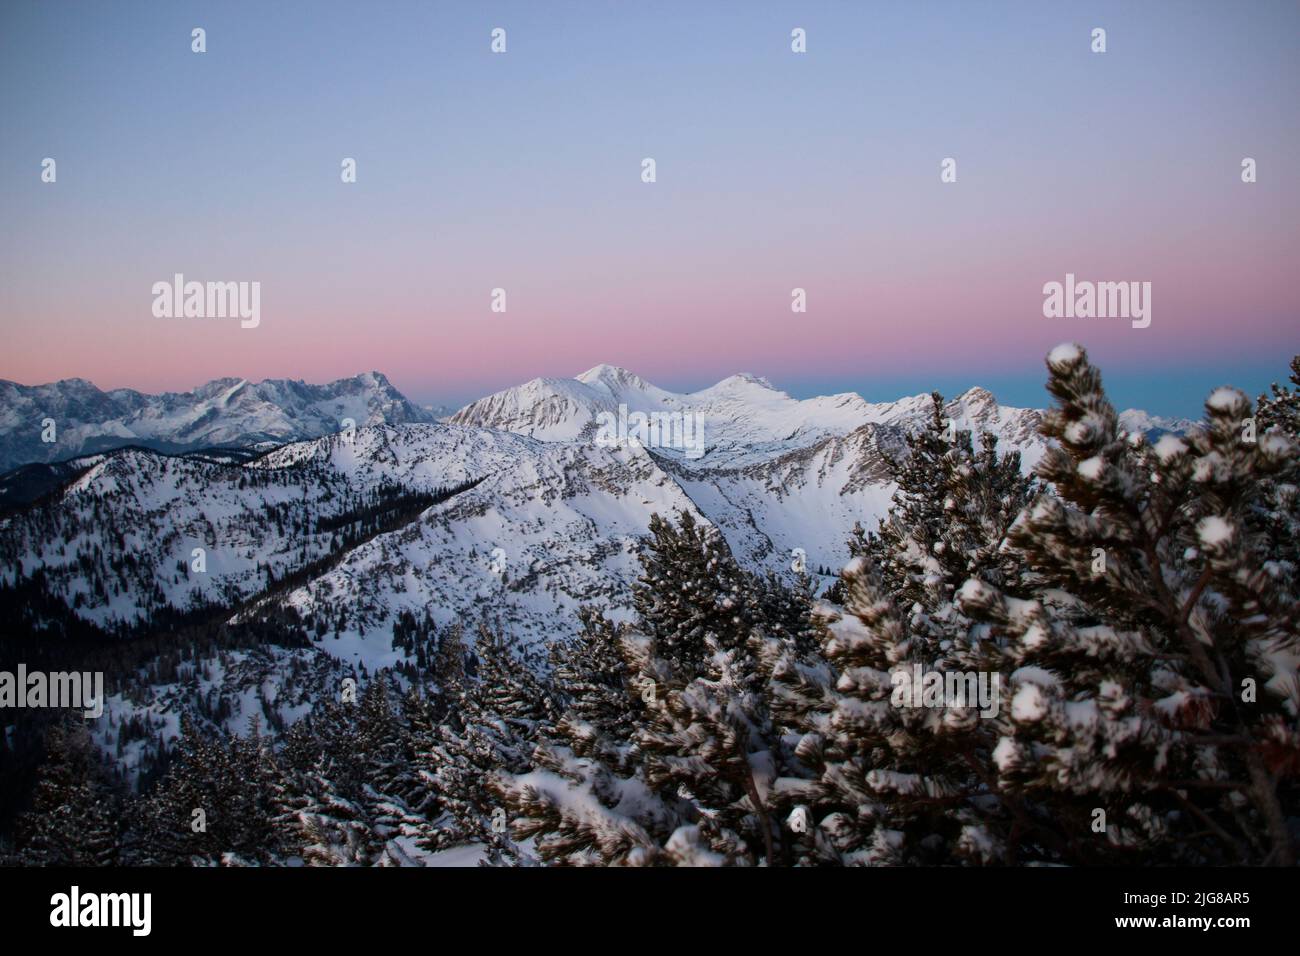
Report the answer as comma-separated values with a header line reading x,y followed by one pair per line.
x,y
1136,421
374,379
977,396
614,378
741,383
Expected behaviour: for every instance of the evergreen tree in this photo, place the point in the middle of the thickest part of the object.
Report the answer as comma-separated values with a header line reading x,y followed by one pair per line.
x,y
1280,409
948,517
899,775
72,821
708,738
591,682
1156,650
691,589
785,612
709,734
902,547
449,673
493,726
217,804
352,782
667,754
1275,517
584,803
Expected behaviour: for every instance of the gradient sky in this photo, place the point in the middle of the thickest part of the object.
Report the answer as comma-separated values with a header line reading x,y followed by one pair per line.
x,y
775,170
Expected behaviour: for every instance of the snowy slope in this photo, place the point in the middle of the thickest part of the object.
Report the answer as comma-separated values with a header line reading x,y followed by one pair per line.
x,y
549,528
565,517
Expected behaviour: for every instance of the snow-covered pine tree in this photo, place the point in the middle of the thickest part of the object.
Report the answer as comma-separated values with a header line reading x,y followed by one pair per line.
x,y
690,588
949,515
1156,691
591,683
898,777
384,740
72,820
1280,409
702,653
1276,516
494,726
584,803
351,773
258,793
323,821
786,611
448,669
421,713
666,754
902,543
217,803
896,783
707,737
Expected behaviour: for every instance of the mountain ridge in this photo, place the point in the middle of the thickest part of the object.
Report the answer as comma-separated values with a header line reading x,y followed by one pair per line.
x,y
228,411
740,413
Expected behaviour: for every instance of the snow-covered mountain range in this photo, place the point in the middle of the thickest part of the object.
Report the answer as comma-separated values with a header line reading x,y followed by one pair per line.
x,y
551,521
745,418
224,412
512,509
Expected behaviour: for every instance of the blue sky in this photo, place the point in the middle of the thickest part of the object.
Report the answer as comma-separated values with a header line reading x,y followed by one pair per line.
x,y
775,170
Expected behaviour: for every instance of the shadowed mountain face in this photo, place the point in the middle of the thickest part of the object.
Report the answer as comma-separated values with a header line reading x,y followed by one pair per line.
x,y
70,418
